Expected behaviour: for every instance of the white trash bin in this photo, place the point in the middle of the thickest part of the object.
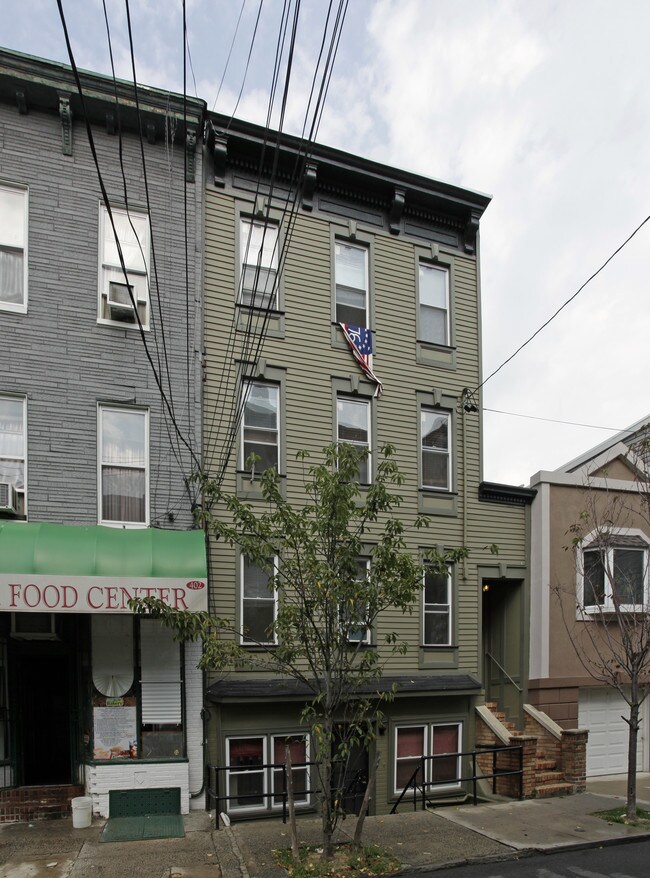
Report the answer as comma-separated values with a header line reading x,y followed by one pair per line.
x,y
82,812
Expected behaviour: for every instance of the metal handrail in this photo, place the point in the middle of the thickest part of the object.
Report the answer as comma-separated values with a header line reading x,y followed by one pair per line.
x,y
503,670
416,788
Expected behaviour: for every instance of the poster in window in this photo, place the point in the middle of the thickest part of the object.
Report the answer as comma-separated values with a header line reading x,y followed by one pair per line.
x,y
115,732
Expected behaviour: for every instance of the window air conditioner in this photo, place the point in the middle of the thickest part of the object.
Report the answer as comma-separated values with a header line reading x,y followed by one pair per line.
x,y
33,626
119,300
8,498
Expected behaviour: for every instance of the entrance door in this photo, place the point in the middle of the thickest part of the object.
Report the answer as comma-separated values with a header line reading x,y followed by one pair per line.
x,y
503,639
351,777
43,699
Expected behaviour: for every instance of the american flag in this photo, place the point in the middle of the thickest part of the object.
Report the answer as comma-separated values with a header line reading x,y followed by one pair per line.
x,y
360,340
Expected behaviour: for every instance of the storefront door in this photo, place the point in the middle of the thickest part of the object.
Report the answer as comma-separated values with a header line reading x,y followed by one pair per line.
x,y
43,691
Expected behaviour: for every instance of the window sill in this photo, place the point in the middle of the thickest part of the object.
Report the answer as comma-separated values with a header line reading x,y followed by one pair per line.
x,y
251,488
13,309
104,762
438,657
120,324
127,525
258,320
440,356
437,502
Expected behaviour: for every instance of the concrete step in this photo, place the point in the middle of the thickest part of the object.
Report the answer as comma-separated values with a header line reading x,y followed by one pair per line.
x,y
546,791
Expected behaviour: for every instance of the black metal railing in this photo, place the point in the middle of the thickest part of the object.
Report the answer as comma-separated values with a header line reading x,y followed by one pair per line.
x,y
420,783
265,801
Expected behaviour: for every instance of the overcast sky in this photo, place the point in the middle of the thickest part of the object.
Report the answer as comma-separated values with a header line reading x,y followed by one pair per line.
x,y
543,104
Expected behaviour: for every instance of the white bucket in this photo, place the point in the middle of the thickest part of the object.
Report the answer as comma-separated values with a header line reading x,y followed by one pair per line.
x,y
82,812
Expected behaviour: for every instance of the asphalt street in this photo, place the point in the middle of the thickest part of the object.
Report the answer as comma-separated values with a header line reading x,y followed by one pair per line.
x,y
617,861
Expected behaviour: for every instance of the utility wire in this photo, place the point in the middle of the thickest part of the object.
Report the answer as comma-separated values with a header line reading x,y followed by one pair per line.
x,y
102,186
232,46
563,306
553,420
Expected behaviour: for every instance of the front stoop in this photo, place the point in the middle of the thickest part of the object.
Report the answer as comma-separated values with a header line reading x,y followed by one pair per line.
x,y
554,758
24,804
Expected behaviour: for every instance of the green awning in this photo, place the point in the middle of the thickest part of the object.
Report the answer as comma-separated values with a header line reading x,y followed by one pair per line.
x,y
97,562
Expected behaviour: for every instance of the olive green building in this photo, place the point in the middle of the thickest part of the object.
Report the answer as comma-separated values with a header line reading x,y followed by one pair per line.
x,y
297,242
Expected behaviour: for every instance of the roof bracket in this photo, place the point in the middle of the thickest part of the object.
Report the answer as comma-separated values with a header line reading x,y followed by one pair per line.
x,y
396,211
21,102
309,185
110,123
190,152
471,231
65,114
151,133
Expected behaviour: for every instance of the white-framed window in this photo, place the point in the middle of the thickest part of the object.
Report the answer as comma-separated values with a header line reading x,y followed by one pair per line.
x,y
258,244
255,773
351,268
433,293
436,607
358,633
260,433
13,455
412,742
353,426
614,573
259,603
117,293
13,247
123,465
247,774
299,748
435,449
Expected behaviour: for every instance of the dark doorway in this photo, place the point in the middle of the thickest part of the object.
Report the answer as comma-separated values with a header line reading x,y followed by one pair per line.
x,y
43,699
503,645
351,777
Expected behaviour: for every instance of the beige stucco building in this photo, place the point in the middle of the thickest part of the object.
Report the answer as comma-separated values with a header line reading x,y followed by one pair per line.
x,y
599,493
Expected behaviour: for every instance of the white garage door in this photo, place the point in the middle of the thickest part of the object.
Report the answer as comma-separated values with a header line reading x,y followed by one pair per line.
x,y
600,711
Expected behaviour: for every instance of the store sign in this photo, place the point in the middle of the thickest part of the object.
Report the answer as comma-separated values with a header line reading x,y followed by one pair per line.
x,y
32,592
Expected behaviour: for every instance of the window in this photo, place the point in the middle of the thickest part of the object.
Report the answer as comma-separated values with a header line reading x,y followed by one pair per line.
x,y
616,576
353,428
115,304
13,454
299,750
353,617
260,426
259,604
123,455
160,692
433,304
436,604
250,775
13,248
246,778
152,712
435,450
258,243
351,269
414,742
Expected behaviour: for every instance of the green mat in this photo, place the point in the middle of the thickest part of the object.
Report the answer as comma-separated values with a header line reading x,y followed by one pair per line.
x,y
144,826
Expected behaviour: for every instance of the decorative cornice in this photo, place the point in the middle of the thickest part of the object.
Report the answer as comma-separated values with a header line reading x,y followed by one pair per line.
x,y
471,230
219,157
492,492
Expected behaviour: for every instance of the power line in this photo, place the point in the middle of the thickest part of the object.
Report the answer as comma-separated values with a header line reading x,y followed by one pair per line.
x,y
563,306
93,150
553,420
232,46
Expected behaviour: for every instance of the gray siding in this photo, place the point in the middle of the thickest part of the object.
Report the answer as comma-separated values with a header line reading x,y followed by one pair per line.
x,y
57,354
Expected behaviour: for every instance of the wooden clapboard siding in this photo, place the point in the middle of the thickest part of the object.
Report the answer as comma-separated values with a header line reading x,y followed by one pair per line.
x,y
311,362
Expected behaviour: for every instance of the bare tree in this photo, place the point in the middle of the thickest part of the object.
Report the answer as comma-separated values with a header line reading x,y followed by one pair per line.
x,y
610,628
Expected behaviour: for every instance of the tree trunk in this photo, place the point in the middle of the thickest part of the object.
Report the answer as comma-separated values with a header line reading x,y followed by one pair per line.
x,y
326,777
293,829
633,732
370,789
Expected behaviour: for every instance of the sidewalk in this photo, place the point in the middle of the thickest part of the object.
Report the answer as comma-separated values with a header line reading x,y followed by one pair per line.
x,y
418,839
